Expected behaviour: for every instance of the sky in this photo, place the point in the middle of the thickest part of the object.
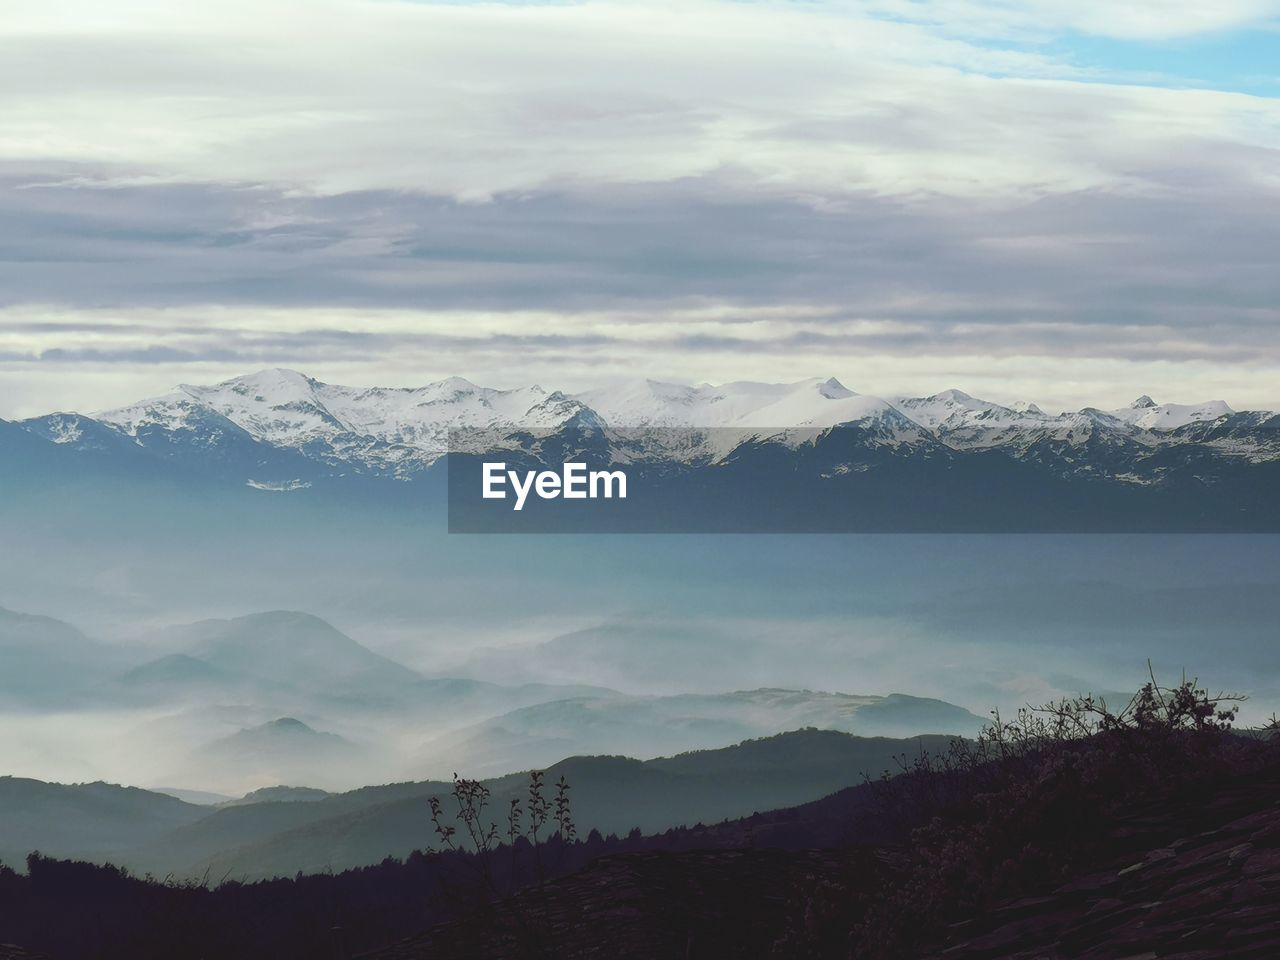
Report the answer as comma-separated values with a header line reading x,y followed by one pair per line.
x,y
1067,202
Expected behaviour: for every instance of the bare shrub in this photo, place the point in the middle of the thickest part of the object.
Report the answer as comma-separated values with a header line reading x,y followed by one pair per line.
x,y
503,861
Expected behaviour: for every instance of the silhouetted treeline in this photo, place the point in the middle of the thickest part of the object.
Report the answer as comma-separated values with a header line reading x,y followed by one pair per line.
x,y
71,910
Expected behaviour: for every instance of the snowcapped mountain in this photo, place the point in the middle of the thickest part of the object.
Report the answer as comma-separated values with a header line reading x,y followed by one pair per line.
x,y
391,426
1149,415
280,431
381,430
400,430
964,422
809,403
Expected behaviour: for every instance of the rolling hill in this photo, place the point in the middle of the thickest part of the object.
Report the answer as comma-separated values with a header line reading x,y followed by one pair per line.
x,y
647,726
286,832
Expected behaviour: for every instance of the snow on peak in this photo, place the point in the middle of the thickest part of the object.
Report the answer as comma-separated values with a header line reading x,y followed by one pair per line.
x,y
949,408
833,389
450,387
806,403
63,428
270,379
401,430
1170,416
397,428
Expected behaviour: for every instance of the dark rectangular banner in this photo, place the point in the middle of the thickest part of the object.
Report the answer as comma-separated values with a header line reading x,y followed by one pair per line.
x,y
850,478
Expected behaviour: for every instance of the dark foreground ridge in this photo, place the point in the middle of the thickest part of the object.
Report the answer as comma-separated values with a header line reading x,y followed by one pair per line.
x,y
706,903
1195,881
1202,883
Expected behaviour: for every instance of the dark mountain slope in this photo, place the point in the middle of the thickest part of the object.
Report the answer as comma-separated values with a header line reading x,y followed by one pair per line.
x,y
611,794
1194,880
84,819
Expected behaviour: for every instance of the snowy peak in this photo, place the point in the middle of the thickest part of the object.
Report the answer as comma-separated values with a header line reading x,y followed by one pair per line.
x,y
72,429
954,409
811,404
395,430
271,404
451,388
1149,415
652,403
279,383
178,411
560,410
833,389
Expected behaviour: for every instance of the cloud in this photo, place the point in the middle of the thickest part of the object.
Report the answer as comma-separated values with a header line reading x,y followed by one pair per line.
x,y
1091,258
699,279
474,101
895,192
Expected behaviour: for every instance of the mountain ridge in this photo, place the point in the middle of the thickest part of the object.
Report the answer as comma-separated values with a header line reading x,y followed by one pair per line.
x,y
399,431
610,793
807,456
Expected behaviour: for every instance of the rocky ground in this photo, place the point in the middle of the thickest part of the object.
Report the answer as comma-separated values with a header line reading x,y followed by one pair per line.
x,y
1212,891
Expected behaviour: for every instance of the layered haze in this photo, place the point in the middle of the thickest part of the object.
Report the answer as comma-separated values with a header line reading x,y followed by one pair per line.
x,y
140,645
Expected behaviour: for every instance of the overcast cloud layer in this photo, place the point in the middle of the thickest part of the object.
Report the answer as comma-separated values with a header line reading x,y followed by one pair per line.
x,y
906,195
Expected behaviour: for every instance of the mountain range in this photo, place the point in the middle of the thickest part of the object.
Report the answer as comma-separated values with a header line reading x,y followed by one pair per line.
x,y
545,732
281,831
401,431
801,451
229,705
